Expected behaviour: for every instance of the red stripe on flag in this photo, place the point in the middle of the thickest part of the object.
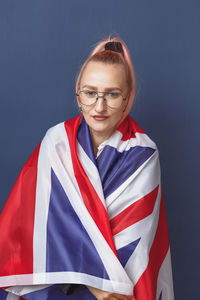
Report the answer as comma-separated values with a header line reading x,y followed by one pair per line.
x,y
89,195
17,222
146,287
128,128
134,212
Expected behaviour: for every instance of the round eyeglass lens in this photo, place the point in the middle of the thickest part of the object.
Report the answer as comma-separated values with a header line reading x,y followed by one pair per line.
x,y
114,99
88,97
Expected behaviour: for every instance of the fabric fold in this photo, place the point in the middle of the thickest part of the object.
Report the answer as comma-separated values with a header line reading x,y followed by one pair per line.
x,y
72,218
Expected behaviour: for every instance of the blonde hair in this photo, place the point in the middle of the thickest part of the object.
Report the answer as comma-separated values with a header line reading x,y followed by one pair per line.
x,y
99,54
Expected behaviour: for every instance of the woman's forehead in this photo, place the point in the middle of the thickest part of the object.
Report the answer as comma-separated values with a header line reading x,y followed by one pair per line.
x,y
108,75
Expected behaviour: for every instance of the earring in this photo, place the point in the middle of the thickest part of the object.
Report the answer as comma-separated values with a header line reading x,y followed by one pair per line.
x,y
80,109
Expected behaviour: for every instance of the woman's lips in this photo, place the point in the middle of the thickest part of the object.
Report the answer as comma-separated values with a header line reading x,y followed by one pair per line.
x,y
100,118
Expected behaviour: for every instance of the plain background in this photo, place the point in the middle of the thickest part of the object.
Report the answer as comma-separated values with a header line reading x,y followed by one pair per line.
x,y
42,45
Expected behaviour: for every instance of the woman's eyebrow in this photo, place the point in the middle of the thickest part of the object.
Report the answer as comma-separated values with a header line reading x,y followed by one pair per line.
x,y
106,89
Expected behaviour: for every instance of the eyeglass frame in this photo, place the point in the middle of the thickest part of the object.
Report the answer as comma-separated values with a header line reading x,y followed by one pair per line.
x,y
103,96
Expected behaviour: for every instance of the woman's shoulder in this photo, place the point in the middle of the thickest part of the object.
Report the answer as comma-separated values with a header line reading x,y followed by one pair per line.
x,y
55,129
57,133
137,133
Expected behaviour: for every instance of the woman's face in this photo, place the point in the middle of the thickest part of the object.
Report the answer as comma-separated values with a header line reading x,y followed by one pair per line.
x,y
97,76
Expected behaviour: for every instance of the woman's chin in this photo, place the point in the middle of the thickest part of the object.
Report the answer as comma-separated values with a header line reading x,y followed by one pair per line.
x,y
100,130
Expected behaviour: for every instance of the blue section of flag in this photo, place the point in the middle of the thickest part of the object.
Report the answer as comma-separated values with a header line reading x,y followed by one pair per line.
x,y
3,294
116,167
125,252
55,292
85,141
69,247
51,293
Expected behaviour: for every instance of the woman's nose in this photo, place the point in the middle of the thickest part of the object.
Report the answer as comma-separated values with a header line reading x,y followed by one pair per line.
x,y
100,104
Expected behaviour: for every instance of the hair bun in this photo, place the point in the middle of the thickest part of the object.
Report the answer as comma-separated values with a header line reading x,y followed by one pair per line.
x,y
114,46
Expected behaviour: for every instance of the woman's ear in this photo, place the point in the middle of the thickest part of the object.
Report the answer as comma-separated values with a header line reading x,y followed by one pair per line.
x,y
77,97
80,109
78,102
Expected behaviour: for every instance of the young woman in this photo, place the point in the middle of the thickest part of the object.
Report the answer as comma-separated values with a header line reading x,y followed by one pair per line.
x,y
86,219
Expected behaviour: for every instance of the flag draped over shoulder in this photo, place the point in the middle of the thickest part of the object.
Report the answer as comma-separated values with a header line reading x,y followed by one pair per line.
x,y
72,218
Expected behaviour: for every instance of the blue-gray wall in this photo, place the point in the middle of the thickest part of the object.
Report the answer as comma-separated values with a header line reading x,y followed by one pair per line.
x,y
43,43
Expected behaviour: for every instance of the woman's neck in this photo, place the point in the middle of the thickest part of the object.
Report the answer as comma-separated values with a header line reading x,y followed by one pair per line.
x,y
97,139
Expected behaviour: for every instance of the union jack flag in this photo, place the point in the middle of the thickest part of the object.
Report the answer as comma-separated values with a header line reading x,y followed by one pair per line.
x,y
73,218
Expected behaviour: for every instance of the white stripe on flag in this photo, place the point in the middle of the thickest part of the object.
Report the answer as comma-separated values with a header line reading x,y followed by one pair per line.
x,y
165,281
12,297
43,190
86,279
141,139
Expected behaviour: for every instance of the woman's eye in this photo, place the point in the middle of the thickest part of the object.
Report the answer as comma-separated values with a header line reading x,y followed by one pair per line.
x,y
90,93
113,94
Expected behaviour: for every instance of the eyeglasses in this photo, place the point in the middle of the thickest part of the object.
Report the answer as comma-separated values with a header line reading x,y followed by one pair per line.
x,y
112,99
